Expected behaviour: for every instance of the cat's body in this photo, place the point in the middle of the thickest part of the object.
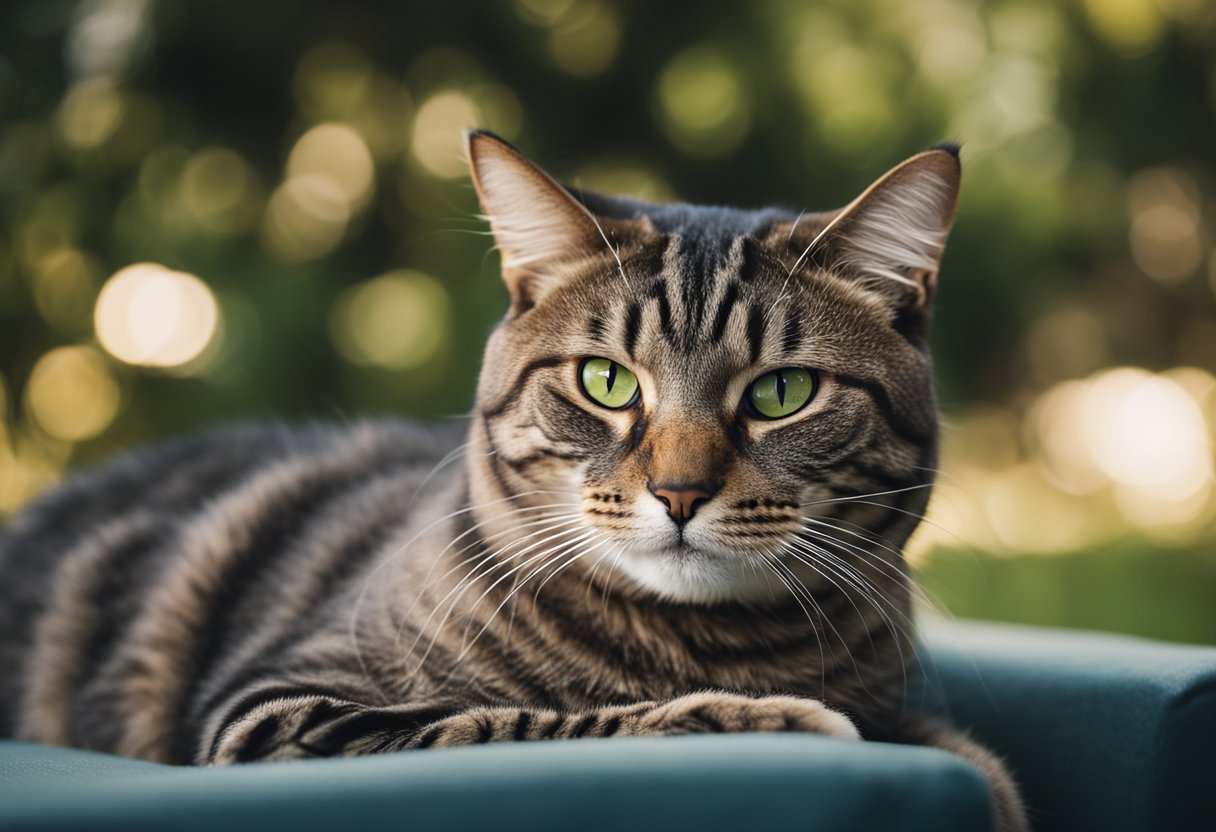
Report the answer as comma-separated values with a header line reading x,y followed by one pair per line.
x,y
585,565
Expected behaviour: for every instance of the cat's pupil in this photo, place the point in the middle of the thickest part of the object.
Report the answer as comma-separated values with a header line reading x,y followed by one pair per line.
x,y
611,375
781,389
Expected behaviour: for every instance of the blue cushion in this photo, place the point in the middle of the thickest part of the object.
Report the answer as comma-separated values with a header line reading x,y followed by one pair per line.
x,y
751,782
1104,732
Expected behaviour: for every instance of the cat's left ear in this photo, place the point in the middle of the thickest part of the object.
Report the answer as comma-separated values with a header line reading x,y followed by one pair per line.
x,y
537,224
891,238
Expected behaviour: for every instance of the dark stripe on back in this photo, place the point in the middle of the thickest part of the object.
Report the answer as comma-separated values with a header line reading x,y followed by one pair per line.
x,y
129,570
54,524
278,525
335,570
114,601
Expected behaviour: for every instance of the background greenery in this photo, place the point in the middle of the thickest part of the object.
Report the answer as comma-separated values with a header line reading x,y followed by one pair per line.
x,y
289,175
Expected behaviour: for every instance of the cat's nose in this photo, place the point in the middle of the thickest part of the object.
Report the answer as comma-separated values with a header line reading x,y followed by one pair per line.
x,y
682,500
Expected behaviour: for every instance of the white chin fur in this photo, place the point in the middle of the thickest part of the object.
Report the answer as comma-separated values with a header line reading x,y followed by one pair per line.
x,y
693,576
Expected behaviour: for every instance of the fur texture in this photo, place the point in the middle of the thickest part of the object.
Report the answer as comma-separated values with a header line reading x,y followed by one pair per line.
x,y
270,593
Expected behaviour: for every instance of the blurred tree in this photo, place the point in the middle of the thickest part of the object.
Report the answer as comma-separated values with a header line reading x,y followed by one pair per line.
x,y
289,175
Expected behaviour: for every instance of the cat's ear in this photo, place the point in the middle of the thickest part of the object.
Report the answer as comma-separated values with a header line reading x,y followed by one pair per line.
x,y
536,222
891,238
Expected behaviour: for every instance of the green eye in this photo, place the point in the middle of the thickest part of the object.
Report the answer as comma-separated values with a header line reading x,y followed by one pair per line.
x,y
608,383
782,392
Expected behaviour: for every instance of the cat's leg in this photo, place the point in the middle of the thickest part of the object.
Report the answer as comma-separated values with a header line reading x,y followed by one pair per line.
x,y
709,712
319,726
1009,812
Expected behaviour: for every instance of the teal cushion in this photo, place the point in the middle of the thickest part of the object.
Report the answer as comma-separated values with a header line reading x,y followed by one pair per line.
x,y
1104,732
744,782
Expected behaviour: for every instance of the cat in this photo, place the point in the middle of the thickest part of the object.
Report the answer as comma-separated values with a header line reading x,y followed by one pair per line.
x,y
701,438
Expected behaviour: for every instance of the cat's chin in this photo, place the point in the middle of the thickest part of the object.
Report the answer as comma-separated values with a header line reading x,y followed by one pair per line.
x,y
686,574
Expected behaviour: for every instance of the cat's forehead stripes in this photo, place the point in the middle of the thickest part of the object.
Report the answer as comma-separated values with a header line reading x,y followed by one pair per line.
x,y
791,335
692,301
725,308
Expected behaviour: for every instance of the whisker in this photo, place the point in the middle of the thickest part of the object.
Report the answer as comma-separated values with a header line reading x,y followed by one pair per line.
x,y
550,555
546,521
869,591
799,591
468,581
856,497
831,625
353,632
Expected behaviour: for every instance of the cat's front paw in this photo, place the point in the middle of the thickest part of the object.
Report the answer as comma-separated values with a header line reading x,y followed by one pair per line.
x,y
715,712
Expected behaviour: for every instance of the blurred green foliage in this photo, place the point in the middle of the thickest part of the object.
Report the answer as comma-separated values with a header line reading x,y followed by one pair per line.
x,y
302,160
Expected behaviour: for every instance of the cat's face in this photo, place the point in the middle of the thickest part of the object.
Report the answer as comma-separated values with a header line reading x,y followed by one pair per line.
x,y
704,407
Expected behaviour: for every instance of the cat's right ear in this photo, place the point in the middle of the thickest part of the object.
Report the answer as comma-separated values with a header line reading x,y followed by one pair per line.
x,y
536,223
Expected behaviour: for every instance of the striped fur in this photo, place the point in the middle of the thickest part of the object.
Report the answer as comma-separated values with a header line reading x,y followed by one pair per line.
x,y
271,593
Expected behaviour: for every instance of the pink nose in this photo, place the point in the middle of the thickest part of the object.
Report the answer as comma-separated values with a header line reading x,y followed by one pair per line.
x,y
682,501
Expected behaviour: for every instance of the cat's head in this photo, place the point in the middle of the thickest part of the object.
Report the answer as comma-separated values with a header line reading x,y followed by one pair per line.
x,y
709,403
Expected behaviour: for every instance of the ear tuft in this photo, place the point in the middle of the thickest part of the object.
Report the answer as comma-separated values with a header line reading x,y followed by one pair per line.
x,y
949,146
533,218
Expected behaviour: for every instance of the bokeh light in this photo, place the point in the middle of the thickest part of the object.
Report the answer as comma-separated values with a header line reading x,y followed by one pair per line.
x,y
329,77
1076,316
544,12
306,218
339,153
151,316
845,88
90,114
220,192
1130,26
65,286
25,469
1027,517
1120,450
585,37
72,393
1145,432
438,128
702,102
106,36
396,321
1164,234
499,108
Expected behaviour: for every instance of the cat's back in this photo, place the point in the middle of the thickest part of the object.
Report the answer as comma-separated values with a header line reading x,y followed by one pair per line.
x,y
198,538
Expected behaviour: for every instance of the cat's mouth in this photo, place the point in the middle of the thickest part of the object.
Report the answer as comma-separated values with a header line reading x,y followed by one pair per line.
x,y
687,569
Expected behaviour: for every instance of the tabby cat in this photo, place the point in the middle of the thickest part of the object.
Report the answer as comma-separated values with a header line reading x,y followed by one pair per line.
x,y
701,438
